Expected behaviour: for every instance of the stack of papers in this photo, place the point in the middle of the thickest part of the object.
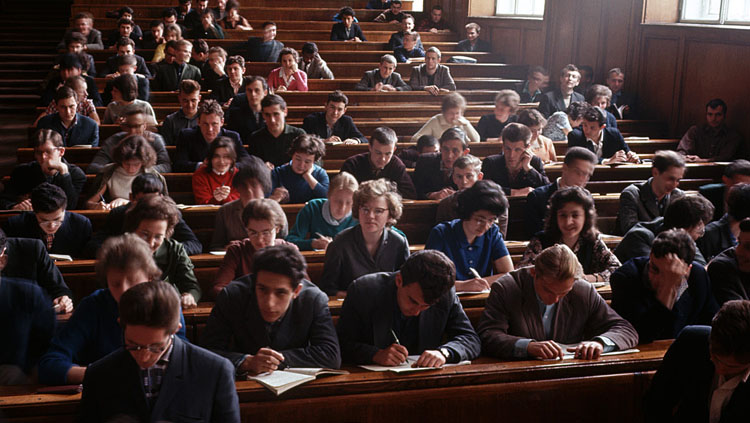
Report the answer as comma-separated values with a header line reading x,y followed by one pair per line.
x,y
406,366
281,381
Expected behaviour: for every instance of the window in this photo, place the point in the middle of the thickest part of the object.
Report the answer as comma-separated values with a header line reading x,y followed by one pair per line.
x,y
520,8
732,12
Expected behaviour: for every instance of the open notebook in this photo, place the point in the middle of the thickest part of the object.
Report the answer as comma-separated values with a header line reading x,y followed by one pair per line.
x,y
570,355
406,366
281,381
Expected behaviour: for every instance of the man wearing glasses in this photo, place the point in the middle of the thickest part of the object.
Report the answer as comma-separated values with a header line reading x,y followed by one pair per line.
x,y
157,376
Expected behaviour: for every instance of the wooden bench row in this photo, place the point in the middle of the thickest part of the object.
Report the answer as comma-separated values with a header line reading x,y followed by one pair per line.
x,y
137,4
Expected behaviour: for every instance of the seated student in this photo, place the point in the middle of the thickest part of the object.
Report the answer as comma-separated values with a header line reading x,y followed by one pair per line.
x,y
153,218
431,76
210,65
577,168
160,383
564,95
432,173
312,64
208,28
533,310
323,218
226,87
124,46
271,143
233,19
93,331
506,105
189,96
665,291
541,146
713,141
536,83
517,170
572,221
560,124
332,125
425,144
645,201
690,212
244,115
154,37
134,122
126,64
85,105
601,96
221,9
125,98
607,143
262,219
124,29
172,33
131,157
28,324
587,78
435,22
69,66
182,10
75,43
383,78
61,231
212,182
301,180
273,317
703,374
472,41
48,166
452,116
736,172
730,271
74,128
380,162
473,242
347,30
193,143
252,181
622,103
193,17
409,50
412,311
372,245
723,233
83,23
264,49
467,170
169,75
397,38
287,77
393,14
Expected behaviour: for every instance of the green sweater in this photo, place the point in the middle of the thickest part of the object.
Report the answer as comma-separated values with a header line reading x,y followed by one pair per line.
x,y
310,220
177,268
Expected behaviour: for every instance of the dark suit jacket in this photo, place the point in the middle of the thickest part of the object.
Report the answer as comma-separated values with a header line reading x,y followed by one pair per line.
x,y
613,142
222,91
192,148
198,386
716,239
83,132
512,313
70,238
240,118
728,282
259,51
637,241
715,194
481,45
27,176
344,128
166,76
304,335
535,209
361,168
495,169
682,387
372,77
338,32
91,89
367,314
428,177
638,203
28,259
552,101
111,66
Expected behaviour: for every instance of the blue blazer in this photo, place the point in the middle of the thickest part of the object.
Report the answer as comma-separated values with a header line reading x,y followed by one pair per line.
x,y
344,128
338,32
70,239
198,386
84,132
613,142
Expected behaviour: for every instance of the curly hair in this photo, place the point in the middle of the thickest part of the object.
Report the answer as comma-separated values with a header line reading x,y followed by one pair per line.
x,y
578,196
373,189
152,207
135,147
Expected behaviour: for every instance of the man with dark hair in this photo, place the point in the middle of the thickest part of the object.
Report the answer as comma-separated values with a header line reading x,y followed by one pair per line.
x,y
517,170
730,270
432,173
623,103
271,143
193,17
27,322
393,14
347,30
265,49
61,231
577,168
160,377
723,233
273,318
737,172
472,41
397,38
124,46
389,316
690,212
124,29
312,64
333,125
193,143
714,141
74,128
645,201
245,114
169,73
380,162
127,64
607,143
435,22
665,291
704,375
383,78
536,82
189,96
48,166
560,98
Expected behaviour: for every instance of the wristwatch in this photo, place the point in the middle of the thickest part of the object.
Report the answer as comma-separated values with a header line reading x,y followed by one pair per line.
x,y
446,353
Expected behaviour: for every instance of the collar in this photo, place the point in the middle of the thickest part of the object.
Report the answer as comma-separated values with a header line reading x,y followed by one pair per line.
x,y
72,123
328,217
720,130
732,383
460,235
600,141
526,89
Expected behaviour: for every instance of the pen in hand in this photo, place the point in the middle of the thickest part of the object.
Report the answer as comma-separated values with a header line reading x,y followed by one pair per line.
x,y
474,273
395,337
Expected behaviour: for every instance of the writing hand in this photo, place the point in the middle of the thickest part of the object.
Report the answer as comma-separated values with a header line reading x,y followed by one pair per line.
x,y
65,304
472,285
394,355
265,360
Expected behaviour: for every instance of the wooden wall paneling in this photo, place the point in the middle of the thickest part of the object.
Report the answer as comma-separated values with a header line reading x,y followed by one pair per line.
x,y
563,25
660,73
589,36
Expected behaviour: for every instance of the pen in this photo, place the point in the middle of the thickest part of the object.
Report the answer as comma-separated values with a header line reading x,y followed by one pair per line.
x,y
395,337
474,273
318,234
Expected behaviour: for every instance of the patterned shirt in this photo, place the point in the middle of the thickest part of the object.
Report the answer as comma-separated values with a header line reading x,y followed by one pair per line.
x,y
603,262
153,376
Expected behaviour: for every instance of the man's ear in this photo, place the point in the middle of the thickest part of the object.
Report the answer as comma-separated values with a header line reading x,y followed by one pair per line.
x,y
285,112
399,280
62,151
480,175
297,290
467,150
689,269
654,172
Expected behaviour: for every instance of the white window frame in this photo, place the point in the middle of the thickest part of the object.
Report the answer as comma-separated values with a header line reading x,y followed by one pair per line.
x,y
521,15
722,16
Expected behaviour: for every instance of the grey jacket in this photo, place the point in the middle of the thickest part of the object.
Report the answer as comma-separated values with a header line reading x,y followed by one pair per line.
x,y
372,77
443,79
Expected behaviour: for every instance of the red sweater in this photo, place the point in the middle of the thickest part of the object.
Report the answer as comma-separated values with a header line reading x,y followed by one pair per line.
x,y
206,181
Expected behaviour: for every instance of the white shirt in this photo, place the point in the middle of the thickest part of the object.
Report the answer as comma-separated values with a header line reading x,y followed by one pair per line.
x,y
722,394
